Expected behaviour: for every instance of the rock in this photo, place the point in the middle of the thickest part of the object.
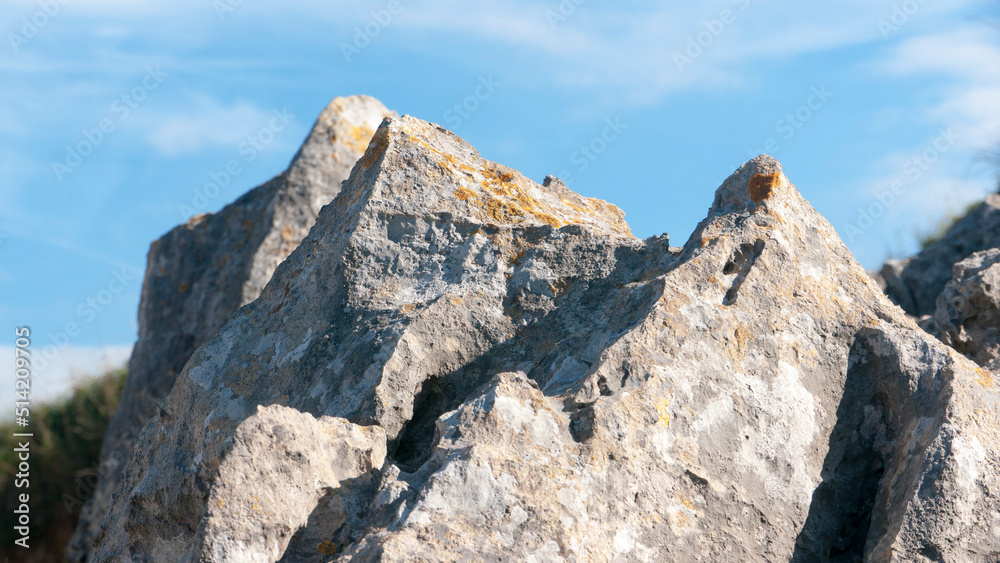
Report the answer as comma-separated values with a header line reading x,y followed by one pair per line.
x,y
552,389
968,310
281,464
915,284
200,273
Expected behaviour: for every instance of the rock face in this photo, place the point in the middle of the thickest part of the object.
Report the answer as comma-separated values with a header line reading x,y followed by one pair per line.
x,y
968,310
551,388
200,273
915,283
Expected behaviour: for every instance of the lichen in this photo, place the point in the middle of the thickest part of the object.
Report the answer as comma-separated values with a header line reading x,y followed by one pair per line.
x,y
762,186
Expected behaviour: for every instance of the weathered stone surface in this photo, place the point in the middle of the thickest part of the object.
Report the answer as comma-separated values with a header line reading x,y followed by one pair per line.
x,y
968,310
281,464
553,389
200,273
915,283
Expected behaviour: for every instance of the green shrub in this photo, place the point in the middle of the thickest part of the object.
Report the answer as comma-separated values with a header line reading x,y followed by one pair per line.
x,y
65,454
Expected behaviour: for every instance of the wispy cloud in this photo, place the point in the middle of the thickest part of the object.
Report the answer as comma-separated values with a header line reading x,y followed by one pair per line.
x,y
64,372
204,122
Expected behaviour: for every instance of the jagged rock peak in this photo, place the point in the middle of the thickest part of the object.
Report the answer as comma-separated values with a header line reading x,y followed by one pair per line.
x,y
202,271
338,138
549,387
486,191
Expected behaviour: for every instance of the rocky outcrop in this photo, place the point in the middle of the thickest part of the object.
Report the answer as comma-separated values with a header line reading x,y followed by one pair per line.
x,y
200,273
551,388
968,310
915,283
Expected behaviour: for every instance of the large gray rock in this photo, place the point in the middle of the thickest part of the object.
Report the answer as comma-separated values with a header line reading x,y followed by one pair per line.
x,y
200,273
915,283
968,310
553,389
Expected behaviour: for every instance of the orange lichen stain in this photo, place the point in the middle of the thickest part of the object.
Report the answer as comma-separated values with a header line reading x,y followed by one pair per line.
x,y
663,409
578,209
456,300
984,377
224,261
742,337
328,548
560,287
686,501
288,233
762,186
502,212
182,288
196,220
408,308
357,137
376,148
465,194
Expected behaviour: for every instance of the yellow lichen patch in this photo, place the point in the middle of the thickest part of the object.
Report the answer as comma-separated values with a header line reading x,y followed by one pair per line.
x,y
456,300
762,186
686,501
501,211
663,409
220,503
408,308
357,137
376,148
328,548
465,194
256,503
984,377
560,286
742,338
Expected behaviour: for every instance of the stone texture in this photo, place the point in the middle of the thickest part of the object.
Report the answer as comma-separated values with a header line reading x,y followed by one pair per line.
x,y
915,283
968,310
281,464
552,389
200,273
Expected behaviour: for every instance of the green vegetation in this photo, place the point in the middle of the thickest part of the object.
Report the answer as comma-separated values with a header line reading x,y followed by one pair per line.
x,y
64,466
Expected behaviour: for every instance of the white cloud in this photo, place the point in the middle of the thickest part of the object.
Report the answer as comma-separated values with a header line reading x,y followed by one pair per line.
x,y
204,122
62,373
967,62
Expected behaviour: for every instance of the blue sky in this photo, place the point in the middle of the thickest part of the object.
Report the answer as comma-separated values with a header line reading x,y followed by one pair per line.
x,y
884,106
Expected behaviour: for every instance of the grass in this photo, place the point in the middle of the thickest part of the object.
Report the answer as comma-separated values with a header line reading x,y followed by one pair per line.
x,y
64,460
